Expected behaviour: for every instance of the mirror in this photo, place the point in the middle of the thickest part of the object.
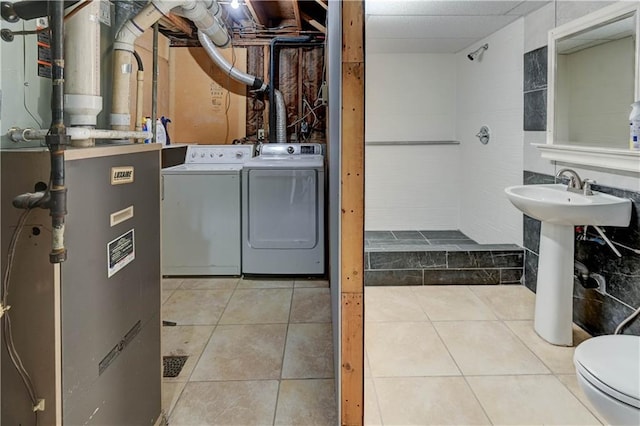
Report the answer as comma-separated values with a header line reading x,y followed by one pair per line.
x,y
593,80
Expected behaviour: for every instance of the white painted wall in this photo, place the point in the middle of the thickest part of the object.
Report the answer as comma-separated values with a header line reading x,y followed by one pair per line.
x,y
489,92
414,187
419,97
537,25
410,97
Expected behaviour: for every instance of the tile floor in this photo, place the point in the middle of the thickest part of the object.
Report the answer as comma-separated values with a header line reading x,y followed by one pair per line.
x,y
465,355
260,352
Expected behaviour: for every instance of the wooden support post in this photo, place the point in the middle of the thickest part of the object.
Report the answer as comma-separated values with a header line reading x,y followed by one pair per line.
x,y
352,214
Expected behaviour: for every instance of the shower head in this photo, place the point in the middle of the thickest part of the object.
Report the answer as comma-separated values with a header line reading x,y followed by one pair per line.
x,y
473,55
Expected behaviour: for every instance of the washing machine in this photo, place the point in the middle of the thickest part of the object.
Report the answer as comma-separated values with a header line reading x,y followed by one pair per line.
x,y
283,211
201,215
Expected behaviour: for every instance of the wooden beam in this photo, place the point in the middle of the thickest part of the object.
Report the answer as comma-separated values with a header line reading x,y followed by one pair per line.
x,y
323,4
352,213
252,11
352,373
177,22
296,13
315,24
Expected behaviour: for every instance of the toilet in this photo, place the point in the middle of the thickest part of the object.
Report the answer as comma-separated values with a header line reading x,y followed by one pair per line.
x,y
608,371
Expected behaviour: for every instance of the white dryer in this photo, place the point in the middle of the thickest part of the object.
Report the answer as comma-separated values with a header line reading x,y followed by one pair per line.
x,y
201,211
283,211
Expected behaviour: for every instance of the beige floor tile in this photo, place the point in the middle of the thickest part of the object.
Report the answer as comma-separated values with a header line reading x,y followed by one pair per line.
x,y
392,304
171,283
189,340
428,401
171,391
406,349
265,283
526,400
195,307
166,294
226,283
559,359
306,402
311,305
242,352
226,403
446,303
258,306
509,302
487,348
311,283
571,382
308,352
371,409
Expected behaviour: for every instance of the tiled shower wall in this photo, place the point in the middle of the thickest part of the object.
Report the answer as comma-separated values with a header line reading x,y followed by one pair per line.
x,y
596,312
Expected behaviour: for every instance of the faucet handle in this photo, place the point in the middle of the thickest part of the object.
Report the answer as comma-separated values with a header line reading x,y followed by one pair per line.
x,y
586,186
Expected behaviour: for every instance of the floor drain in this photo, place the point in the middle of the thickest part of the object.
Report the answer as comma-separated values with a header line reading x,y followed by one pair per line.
x,y
173,365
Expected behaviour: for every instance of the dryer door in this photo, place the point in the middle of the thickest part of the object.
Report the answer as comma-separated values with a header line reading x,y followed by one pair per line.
x,y
282,208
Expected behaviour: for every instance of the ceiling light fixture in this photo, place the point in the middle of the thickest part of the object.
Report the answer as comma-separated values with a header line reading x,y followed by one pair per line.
x,y
235,4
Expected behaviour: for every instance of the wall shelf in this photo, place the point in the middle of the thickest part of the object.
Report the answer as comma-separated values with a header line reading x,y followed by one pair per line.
x,y
614,159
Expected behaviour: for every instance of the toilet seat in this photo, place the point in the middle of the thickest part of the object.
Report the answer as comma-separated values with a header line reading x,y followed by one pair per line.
x,y
612,365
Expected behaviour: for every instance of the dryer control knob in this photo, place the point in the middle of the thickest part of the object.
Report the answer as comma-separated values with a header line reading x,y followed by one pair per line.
x,y
290,149
239,154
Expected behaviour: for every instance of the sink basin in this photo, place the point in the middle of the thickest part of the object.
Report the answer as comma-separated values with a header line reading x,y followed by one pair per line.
x,y
560,211
552,203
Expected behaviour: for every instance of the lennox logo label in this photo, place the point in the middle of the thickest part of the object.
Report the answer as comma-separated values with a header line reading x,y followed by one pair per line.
x,y
120,175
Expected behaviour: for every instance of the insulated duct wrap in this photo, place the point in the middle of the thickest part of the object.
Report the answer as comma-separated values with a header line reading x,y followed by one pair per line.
x,y
248,80
281,117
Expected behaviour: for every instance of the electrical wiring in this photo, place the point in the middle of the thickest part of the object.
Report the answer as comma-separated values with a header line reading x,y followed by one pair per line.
x,y
626,321
312,111
227,99
7,331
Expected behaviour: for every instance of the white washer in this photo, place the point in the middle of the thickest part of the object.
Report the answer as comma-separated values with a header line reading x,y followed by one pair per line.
x,y
283,211
201,211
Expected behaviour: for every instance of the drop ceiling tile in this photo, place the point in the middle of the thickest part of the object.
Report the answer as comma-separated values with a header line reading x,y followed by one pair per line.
x,y
526,7
434,26
441,7
412,45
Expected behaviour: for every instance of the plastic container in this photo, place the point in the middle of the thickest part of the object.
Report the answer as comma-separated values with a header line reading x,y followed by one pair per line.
x,y
634,126
161,133
146,127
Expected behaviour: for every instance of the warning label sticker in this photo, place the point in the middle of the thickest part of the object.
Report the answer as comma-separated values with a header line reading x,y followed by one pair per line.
x,y
120,252
44,51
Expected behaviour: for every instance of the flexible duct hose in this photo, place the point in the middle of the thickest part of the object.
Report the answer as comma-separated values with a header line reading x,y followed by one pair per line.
x,y
214,53
281,117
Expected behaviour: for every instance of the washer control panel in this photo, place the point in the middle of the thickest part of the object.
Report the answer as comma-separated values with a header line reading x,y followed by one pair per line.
x,y
216,154
272,149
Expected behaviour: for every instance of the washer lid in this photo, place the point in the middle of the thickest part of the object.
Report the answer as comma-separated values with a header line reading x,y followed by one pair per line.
x,y
202,168
286,162
612,364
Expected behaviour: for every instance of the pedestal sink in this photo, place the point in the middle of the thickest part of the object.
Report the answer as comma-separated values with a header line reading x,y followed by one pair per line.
x,y
560,211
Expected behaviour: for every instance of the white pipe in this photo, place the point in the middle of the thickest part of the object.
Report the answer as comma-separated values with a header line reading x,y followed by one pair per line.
x,y
139,99
82,101
123,49
281,117
215,55
207,19
76,133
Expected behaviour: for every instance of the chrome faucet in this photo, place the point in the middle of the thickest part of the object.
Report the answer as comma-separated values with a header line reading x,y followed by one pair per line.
x,y
575,183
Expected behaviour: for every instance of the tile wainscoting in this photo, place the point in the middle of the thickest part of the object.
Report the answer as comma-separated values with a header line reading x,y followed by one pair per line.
x,y
395,258
598,313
